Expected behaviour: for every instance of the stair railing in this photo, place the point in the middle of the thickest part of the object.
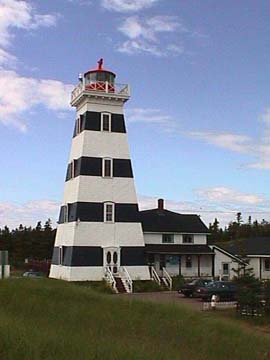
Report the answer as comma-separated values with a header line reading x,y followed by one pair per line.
x,y
154,275
126,279
108,276
167,278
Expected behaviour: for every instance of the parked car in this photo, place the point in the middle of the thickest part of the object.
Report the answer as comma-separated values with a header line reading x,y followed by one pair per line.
x,y
189,289
33,274
224,290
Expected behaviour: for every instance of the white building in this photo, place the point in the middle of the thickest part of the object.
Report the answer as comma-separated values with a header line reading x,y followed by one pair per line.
x,y
256,250
177,242
99,232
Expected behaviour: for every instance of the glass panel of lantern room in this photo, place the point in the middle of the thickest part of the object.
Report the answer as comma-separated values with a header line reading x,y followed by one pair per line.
x,y
101,76
92,77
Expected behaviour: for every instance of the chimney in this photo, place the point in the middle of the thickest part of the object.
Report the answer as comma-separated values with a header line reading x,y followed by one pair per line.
x,y
160,204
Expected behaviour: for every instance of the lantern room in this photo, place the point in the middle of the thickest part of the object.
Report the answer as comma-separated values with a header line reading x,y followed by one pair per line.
x,y
99,79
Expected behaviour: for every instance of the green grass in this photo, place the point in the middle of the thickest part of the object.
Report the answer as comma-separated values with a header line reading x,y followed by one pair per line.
x,y
47,319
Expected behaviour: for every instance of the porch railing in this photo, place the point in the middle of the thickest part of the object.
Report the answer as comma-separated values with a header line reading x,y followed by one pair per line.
x,y
154,275
167,278
126,279
104,87
108,276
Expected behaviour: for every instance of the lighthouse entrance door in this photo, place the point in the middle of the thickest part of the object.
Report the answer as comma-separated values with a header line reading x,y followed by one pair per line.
x,y
112,259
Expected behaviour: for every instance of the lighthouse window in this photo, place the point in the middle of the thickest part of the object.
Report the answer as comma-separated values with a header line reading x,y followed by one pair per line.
x,y
73,169
109,212
78,127
107,167
106,122
65,213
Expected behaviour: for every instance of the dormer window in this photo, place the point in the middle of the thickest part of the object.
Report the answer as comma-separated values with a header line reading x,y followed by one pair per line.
x,y
109,212
188,239
107,167
106,122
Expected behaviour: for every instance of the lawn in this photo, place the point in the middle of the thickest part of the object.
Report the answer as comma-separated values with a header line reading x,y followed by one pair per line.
x,y
49,319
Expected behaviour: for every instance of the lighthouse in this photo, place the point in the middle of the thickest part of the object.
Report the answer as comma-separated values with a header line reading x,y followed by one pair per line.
x,y
99,233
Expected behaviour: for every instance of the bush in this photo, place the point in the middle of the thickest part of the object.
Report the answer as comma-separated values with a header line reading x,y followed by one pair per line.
x,y
177,282
248,290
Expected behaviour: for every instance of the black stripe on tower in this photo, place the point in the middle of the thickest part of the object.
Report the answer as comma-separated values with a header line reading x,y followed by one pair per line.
x,y
91,120
93,256
92,166
94,212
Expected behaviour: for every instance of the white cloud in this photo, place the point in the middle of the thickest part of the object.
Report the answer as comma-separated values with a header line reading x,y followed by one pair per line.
x,y
20,94
242,144
16,14
127,5
7,59
230,141
145,35
148,116
28,214
224,195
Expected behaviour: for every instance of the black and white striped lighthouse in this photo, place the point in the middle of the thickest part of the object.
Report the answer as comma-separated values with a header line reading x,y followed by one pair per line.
x,y
99,227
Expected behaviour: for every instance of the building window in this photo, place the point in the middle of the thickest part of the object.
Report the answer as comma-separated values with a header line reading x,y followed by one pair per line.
x,y
107,167
188,239
267,264
188,261
172,260
109,212
106,122
225,268
167,238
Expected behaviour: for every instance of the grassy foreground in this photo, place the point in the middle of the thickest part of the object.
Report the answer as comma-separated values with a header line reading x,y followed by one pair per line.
x,y
47,319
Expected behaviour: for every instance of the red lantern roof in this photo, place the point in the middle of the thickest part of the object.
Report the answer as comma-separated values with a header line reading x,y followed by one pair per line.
x,y
99,69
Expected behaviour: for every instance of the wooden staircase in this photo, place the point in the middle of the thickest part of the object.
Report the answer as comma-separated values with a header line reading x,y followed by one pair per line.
x,y
119,285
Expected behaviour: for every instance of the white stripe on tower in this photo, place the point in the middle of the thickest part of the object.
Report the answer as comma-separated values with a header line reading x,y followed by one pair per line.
x,y
99,222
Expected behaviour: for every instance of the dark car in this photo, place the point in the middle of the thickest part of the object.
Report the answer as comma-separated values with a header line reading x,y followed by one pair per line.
x,y
189,289
224,290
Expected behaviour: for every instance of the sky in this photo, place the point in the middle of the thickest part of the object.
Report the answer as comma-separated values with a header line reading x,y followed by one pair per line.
x,y
198,119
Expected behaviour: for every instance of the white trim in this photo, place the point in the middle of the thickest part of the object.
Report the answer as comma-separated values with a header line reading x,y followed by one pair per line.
x,y
103,167
259,256
173,232
107,213
110,121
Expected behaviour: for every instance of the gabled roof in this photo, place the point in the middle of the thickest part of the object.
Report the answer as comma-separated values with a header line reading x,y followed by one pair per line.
x,y
249,246
161,220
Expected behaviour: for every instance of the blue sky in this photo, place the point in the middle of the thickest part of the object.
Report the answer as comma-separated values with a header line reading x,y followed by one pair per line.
x,y
198,120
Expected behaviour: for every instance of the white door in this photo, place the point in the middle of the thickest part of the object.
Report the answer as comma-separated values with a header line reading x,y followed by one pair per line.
x,y
112,259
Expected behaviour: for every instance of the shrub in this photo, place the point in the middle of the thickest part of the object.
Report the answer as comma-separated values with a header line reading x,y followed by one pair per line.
x,y
177,282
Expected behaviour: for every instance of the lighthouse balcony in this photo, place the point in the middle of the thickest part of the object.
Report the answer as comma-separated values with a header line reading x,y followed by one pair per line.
x,y
100,88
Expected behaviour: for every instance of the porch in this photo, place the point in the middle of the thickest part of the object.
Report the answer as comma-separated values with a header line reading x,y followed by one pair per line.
x,y
190,261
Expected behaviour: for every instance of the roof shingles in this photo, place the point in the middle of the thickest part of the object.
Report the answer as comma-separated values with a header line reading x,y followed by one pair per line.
x,y
161,220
